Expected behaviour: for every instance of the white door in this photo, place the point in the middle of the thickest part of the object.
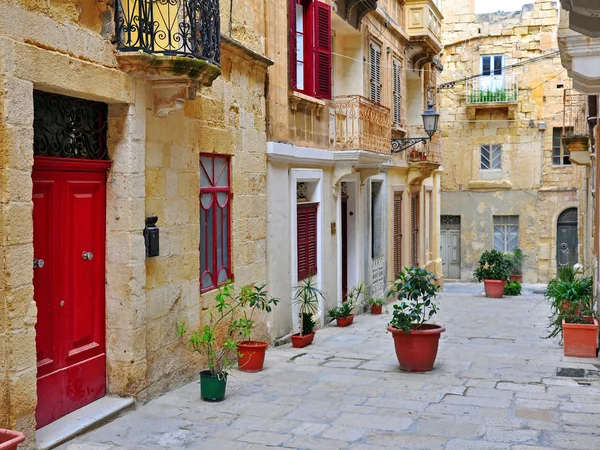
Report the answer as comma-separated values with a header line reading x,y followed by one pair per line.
x,y
450,247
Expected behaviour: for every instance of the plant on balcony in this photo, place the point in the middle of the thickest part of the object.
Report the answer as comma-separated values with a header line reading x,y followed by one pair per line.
x,y
344,314
494,270
306,297
491,96
415,340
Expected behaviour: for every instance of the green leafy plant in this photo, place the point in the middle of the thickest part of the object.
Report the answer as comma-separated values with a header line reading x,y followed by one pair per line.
x,y
493,265
516,261
306,296
346,309
416,289
377,301
513,288
229,324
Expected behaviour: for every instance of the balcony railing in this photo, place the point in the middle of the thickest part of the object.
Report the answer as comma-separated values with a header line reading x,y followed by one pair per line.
x,y
502,88
361,124
574,114
170,28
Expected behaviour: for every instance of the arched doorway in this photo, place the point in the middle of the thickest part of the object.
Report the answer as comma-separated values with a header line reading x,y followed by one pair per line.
x,y
566,238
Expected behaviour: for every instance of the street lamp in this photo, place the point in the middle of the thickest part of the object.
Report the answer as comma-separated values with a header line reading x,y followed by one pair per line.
x,y
430,123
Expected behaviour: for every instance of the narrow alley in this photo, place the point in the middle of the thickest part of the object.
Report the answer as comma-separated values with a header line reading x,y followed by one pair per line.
x,y
496,385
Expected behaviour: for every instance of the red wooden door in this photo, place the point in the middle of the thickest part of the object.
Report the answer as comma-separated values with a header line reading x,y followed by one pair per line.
x,y
69,210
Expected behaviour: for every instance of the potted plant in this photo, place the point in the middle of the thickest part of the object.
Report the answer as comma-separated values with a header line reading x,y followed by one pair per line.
x,y
377,305
516,268
306,297
513,288
573,314
415,340
218,341
251,353
10,440
494,271
343,314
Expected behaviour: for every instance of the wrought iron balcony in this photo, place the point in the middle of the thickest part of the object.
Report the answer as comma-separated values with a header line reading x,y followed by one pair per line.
x,y
503,88
188,28
361,124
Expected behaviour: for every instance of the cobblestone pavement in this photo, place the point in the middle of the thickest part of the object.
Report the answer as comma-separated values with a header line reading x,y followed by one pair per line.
x,y
495,386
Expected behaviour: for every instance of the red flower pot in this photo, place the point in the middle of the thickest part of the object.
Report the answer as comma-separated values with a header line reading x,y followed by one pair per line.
x,y
494,288
580,338
10,440
302,341
416,351
251,355
345,321
376,309
518,278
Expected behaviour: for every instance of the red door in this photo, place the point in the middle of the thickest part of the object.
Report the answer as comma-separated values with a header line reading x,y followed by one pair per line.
x,y
69,210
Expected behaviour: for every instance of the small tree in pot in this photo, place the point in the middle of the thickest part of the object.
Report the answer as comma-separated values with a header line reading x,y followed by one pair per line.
x,y
516,265
306,296
494,271
415,340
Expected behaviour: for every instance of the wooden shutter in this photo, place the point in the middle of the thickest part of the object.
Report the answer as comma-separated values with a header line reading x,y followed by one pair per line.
x,y
397,86
414,225
397,233
322,50
307,240
292,50
375,65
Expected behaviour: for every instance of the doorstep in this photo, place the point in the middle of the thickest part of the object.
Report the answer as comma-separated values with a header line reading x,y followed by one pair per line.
x,y
81,420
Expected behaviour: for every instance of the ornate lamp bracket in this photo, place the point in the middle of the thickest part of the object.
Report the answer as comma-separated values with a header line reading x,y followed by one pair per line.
x,y
401,144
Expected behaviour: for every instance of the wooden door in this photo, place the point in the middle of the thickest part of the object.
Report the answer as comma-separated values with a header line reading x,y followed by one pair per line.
x,y
344,249
567,241
69,237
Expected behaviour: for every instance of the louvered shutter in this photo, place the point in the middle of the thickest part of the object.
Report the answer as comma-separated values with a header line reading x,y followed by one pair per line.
x,y
414,224
397,233
397,73
375,55
307,240
293,74
323,50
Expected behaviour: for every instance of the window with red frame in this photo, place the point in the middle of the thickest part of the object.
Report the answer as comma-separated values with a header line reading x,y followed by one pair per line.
x,y
307,240
310,47
215,221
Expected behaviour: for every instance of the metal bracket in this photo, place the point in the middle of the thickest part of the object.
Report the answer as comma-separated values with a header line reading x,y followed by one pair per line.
x,y
401,144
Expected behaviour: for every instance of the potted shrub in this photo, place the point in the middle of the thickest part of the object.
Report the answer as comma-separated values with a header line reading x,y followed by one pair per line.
x,y
516,267
251,353
306,297
513,288
573,313
10,440
494,271
415,340
377,305
343,314
218,341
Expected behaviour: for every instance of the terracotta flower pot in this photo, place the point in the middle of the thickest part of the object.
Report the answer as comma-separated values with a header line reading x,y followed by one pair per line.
x,y
345,321
10,440
376,309
302,341
518,278
494,288
580,338
416,351
251,355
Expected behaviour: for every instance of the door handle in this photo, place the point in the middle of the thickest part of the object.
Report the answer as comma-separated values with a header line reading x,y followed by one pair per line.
x,y
38,263
62,303
87,256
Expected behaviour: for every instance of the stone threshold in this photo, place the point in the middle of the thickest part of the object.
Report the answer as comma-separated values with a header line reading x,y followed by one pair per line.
x,y
79,421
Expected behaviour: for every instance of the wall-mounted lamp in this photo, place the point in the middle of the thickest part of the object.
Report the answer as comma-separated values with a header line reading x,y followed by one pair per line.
x,y
430,123
151,237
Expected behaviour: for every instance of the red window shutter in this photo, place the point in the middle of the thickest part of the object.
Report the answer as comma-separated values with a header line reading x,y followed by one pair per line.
x,y
323,50
307,240
292,13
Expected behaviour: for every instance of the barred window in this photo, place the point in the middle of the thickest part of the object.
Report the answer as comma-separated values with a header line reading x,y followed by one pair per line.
x,y
491,157
506,233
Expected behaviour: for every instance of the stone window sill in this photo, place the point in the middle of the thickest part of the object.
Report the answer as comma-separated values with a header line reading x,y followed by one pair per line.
x,y
490,184
306,102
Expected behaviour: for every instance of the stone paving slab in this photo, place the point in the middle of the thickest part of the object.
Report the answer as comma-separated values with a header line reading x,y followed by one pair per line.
x,y
494,387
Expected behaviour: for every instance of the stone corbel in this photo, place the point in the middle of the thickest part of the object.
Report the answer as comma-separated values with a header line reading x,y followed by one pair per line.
x,y
340,172
366,173
168,96
309,103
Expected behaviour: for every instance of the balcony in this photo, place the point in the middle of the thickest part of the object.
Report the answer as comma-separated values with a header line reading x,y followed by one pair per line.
x,y
353,11
576,134
493,92
174,44
361,124
424,25
584,16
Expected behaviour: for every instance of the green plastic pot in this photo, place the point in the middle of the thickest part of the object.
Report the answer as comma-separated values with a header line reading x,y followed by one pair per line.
x,y
212,387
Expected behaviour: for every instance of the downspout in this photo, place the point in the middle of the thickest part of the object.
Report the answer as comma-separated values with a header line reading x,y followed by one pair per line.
x,y
230,16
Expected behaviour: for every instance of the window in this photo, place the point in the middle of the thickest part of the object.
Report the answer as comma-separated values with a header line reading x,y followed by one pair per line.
x,y
492,65
397,88
310,47
307,239
560,155
375,67
491,157
414,225
506,233
215,221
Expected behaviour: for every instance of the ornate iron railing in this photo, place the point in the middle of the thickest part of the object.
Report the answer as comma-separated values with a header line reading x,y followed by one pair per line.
x,y
503,88
574,114
170,28
361,124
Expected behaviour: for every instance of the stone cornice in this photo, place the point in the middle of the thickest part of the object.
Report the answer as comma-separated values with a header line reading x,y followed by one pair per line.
x,y
236,47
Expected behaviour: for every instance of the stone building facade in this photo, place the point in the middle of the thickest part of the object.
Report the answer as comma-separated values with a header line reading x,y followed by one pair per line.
x,y
508,181
94,142
331,121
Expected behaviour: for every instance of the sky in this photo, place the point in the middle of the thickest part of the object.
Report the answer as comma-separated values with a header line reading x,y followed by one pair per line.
x,y
488,6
